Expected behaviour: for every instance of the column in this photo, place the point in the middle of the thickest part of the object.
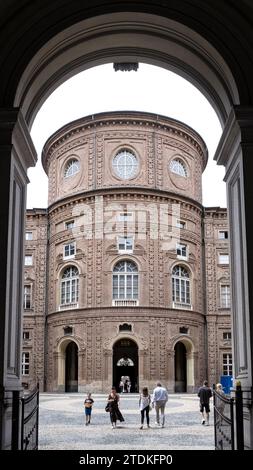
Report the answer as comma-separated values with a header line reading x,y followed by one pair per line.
x,y
17,154
171,370
235,152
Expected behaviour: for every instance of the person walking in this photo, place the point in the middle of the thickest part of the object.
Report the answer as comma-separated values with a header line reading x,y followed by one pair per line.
x,y
88,402
159,400
113,406
220,403
204,395
144,404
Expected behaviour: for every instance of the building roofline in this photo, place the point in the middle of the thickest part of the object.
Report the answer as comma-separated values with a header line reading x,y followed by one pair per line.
x,y
93,120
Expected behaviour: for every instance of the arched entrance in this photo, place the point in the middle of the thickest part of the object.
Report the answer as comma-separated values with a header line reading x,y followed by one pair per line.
x,y
67,366
184,379
71,368
126,364
180,368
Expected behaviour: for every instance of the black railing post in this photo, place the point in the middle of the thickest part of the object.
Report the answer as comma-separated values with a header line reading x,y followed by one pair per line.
x,y
232,424
215,418
22,422
15,419
37,418
239,418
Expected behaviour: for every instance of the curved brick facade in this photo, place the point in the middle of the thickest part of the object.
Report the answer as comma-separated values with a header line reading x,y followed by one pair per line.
x,y
155,318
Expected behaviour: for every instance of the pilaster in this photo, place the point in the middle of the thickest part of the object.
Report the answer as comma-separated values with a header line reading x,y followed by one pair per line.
x,y
17,153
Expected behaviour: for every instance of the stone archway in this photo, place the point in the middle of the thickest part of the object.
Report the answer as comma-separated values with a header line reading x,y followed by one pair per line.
x,y
67,366
126,365
184,366
219,64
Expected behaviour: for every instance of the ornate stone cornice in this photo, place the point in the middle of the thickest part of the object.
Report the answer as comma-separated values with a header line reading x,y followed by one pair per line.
x,y
101,121
122,193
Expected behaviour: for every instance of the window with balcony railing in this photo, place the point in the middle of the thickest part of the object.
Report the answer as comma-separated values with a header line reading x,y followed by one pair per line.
x,y
125,284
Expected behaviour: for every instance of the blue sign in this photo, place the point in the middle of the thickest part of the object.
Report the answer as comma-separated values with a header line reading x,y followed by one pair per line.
x,y
226,382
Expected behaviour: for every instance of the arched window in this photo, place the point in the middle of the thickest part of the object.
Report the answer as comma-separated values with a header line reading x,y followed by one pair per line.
x,y
72,167
125,164
70,286
177,166
181,287
125,281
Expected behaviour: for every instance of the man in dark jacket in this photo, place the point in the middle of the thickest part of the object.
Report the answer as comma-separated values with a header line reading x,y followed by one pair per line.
x,y
204,395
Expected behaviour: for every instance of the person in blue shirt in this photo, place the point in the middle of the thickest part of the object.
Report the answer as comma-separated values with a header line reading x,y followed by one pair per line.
x,y
159,400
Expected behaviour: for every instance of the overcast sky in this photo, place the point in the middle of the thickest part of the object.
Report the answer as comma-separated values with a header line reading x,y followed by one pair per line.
x,y
149,89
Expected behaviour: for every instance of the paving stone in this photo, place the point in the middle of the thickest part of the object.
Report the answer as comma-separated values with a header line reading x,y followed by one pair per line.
x,y
62,425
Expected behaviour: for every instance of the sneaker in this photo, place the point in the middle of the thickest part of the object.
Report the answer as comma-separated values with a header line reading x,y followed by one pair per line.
x,y
141,427
162,425
112,426
207,423
203,421
157,424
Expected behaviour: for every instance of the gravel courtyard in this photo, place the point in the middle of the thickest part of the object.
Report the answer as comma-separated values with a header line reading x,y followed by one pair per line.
x,y
62,425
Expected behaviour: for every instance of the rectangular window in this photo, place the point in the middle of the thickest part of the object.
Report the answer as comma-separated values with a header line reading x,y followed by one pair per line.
x,y
223,258
223,234
180,224
26,335
69,250
27,297
28,235
28,260
225,296
125,244
25,363
227,335
181,250
227,364
125,217
69,225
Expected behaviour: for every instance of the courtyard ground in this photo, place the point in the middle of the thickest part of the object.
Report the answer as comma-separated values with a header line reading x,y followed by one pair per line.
x,y
62,425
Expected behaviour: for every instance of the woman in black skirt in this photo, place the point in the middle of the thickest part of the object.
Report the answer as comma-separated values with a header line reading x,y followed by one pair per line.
x,y
113,405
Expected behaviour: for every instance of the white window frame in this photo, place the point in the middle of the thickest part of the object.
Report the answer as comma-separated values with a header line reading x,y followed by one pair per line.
x,y
28,236
125,282
178,167
30,258
180,248
69,290
68,223
227,333
71,168
125,217
71,255
26,333
220,237
27,297
227,364
181,224
128,244
181,289
25,363
125,164
225,296
222,257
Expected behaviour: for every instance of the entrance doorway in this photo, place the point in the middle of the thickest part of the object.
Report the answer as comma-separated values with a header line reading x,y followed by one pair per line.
x,y
125,365
180,368
71,368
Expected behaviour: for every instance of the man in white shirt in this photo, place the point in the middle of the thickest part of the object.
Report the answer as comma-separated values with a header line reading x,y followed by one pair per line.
x,y
159,399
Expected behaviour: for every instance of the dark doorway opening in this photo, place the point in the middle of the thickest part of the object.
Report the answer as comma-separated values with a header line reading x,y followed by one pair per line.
x,y
180,368
125,365
71,369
